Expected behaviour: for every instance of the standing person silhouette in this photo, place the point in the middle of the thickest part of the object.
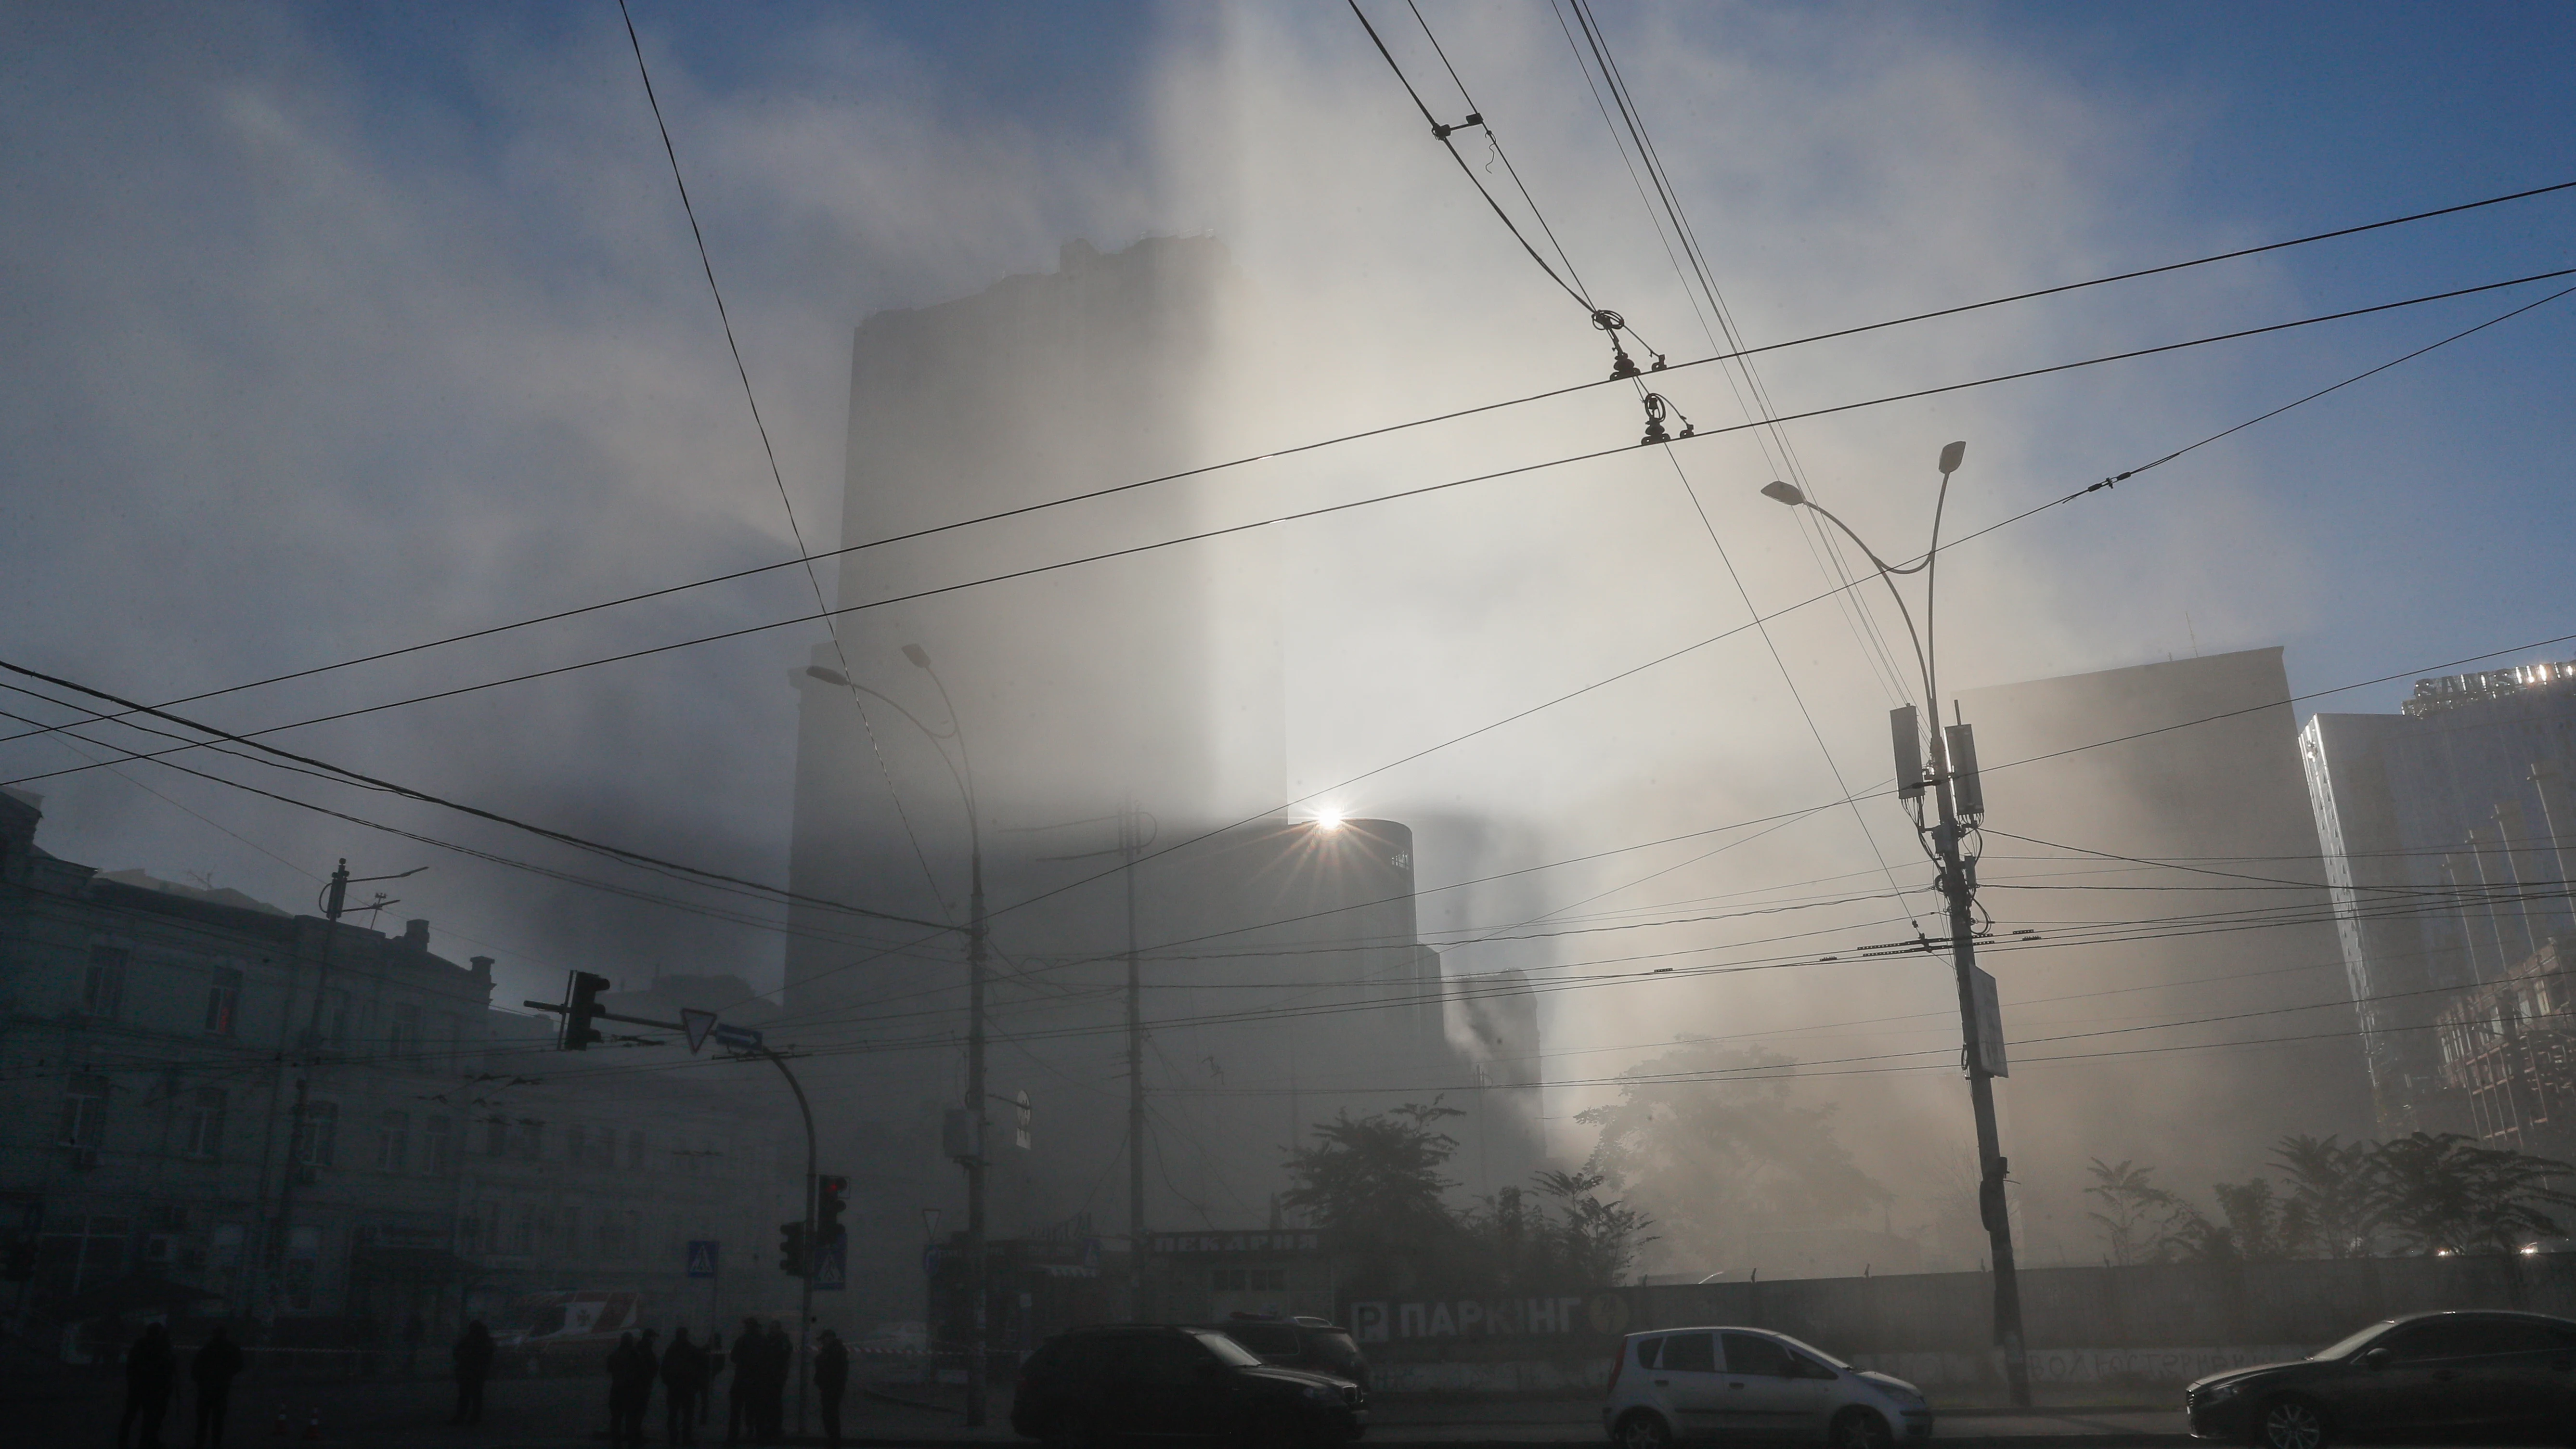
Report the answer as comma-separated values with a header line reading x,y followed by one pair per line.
x,y
831,1376
742,1397
218,1362
151,1370
682,1368
781,1365
473,1359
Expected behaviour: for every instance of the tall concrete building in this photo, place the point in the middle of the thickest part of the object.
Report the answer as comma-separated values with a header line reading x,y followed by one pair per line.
x,y
2149,825
1118,727
2448,834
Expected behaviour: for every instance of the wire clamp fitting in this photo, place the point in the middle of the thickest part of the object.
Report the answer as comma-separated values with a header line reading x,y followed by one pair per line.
x,y
1445,132
1621,365
1657,409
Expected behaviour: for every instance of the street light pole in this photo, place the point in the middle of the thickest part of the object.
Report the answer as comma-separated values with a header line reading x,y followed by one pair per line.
x,y
1130,841
1957,794
977,1369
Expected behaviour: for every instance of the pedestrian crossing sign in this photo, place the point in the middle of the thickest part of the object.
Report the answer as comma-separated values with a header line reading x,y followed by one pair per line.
x,y
832,1265
702,1257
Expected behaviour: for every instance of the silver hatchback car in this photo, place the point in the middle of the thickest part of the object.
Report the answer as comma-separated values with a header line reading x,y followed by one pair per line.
x,y
1751,1383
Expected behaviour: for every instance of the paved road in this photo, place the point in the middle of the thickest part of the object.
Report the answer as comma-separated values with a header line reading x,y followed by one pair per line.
x,y
563,1413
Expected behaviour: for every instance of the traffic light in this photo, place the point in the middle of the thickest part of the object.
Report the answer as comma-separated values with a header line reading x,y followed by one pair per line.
x,y
831,1198
791,1250
582,1010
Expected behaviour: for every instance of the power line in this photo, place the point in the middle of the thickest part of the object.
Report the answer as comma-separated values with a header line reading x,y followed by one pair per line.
x,y
1636,669
614,852
1361,435
1497,474
769,450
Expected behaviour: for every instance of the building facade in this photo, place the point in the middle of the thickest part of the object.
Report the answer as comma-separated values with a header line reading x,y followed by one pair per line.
x,y
219,1108
2149,830
2448,833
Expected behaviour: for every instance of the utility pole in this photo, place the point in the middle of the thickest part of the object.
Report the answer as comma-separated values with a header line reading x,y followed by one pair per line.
x,y
1130,841
976,1274
335,900
1959,796
1959,793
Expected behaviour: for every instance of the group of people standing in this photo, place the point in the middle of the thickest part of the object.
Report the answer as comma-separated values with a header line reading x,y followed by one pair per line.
x,y
763,1359
152,1376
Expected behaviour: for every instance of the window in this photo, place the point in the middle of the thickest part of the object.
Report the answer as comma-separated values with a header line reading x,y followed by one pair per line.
x,y
317,1138
576,1143
223,1002
523,1237
2439,1338
201,1123
1647,1350
2508,1335
1172,1362
438,1146
84,1111
103,990
603,1148
635,1151
1248,1280
393,1142
496,1137
531,1139
1750,1353
335,1016
402,1036
1690,1353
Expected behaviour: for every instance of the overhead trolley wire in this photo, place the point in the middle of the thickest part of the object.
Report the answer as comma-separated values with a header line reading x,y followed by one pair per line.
x,y
1608,322
1598,684
1292,450
2233,921
1822,545
769,450
1611,679
348,776
1518,470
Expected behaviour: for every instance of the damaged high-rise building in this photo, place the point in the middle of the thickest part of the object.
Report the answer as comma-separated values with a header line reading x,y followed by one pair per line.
x,y
1114,732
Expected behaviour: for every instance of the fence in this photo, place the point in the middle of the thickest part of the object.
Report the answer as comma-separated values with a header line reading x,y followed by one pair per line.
x,y
2154,1323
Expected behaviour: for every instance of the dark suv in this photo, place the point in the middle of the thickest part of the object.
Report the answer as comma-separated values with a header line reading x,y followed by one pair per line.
x,y
1094,1385
1313,1344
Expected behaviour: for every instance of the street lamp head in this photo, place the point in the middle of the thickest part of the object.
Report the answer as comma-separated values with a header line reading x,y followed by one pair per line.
x,y
828,676
1329,818
1785,492
1951,456
914,653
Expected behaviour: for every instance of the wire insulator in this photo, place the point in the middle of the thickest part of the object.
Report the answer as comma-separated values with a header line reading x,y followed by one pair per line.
x,y
1658,407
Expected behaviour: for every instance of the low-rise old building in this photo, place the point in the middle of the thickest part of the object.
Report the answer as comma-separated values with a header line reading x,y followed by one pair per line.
x,y
330,1130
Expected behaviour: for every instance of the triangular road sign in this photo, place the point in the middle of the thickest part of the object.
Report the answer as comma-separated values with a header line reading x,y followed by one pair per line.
x,y
697,1024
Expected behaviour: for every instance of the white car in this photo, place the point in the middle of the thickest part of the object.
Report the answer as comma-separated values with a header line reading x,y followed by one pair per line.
x,y
1751,1383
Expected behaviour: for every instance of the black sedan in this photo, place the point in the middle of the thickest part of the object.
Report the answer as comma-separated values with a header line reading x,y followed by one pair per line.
x,y
2431,1374
1095,1386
